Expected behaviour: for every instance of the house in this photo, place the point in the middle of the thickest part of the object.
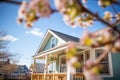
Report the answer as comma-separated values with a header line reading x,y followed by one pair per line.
x,y
4,62
20,73
51,52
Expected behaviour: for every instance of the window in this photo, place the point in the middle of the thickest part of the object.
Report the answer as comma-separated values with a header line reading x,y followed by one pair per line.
x,y
81,60
53,42
87,55
63,64
16,72
52,67
104,63
82,57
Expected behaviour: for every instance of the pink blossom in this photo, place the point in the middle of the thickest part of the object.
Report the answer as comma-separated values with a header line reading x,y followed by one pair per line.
x,y
60,3
68,21
84,1
42,7
88,72
23,9
70,64
117,44
118,16
19,20
108,16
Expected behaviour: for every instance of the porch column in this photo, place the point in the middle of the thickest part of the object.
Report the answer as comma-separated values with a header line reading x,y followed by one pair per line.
x,y
68,72
34,61
69,75
45,67
34,69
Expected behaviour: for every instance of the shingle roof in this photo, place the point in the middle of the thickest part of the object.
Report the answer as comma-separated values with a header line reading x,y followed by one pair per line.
x,y
65,36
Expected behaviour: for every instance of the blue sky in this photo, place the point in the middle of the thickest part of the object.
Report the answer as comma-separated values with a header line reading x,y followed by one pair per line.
x,y
25,41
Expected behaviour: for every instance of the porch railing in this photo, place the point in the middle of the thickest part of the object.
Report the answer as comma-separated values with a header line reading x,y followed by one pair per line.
x,y
56,76
78,76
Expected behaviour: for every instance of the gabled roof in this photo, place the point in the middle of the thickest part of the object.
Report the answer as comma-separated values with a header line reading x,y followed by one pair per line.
x,y
61,36
66,37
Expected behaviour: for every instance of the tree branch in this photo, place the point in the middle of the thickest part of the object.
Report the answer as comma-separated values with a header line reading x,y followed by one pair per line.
x,y
96,16
11,1
117,3
53,11
102,56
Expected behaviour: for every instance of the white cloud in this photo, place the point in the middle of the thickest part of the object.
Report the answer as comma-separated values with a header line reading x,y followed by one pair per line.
x,y
35,32
8,38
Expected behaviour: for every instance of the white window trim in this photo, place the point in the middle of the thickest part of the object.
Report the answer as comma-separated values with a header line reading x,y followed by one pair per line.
x,y
60,62
83,52
109,63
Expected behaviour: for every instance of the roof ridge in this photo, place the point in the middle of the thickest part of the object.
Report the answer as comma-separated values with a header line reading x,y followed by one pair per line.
x,y
63,33
65,37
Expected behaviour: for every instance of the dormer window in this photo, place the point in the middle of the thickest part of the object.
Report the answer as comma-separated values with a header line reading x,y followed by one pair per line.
x,y
53,42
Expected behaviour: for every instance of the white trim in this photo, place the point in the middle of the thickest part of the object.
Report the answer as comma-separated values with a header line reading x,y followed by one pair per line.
x,y
59,48
45,67
110,67
52,50
83,53
92,53
109,63
45,39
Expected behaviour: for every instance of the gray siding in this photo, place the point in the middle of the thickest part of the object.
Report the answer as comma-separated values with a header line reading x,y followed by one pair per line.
x,y
116,67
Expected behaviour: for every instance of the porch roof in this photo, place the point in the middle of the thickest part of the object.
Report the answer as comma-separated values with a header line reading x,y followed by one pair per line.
x,y
58,49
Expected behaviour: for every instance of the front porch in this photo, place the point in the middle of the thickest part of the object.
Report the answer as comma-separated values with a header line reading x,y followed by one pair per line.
x,y
55,67
55,76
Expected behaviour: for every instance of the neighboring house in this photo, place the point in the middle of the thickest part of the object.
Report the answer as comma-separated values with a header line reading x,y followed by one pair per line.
x,y
20,73
3,63
52,51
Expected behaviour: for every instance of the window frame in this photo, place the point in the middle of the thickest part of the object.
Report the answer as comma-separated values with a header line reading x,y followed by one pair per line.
x,y
53,67
60,62
84,57
110,74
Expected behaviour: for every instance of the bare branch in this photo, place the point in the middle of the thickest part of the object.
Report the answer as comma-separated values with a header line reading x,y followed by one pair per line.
x,y
11,1
53,11
117,3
